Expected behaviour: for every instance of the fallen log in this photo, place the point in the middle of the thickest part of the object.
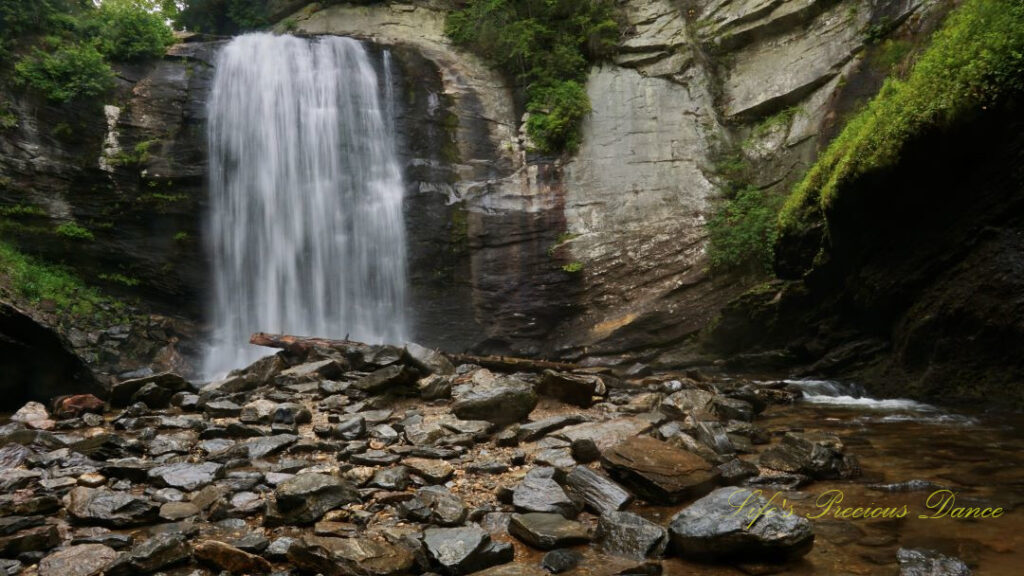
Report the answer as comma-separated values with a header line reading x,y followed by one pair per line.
x,y
302,345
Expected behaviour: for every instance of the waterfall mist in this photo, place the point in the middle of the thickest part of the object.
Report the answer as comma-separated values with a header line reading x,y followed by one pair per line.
x,y
305,222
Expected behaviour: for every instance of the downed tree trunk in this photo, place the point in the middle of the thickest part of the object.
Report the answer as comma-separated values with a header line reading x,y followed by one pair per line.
x,y
302,345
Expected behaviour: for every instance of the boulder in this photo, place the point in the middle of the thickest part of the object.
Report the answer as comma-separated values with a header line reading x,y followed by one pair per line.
x,y
630,536
919,562
320,370
816,454
434,505
534,430
186,476
34,415
383,379
546,531
35,539
562,560
428,360
121,393
711,528
599,493
539,492
690,402
600,436
109,507
80,560
465,549
504,400
577,389
162,550
305,498
659,472
227,557
433,471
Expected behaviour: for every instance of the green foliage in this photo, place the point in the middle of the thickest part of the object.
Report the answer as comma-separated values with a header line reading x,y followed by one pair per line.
x,y
223,16
556,113
21,210
743,231
74,231
137,156
975,60
573,267
126,30
779,119
181,237
121,279
38,281
74,70
546,46
891,53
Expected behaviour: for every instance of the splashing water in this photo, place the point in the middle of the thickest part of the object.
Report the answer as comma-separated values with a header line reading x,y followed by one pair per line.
x,y
305,222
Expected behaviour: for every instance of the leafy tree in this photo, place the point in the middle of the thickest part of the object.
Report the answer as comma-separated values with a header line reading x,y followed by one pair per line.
x,y
71,70
547,47
222,16
128,30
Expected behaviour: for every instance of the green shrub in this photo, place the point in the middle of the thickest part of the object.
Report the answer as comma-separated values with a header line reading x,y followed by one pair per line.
x,y
222,16
546,46
973,61
126,30
75,70
74,231
37,281
742,233
121,279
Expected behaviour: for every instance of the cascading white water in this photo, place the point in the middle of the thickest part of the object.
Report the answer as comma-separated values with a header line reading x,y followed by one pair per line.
x,y
305,221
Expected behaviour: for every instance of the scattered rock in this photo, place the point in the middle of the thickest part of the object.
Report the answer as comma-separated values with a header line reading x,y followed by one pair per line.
x,y
80,560
504,400
109,507
577,389
465,549
711,528
75,406
305,498
919,562
658,472
628,535
539,492
599,493
227,557
816,454
160,551
547,531
187,476
427,360
558,561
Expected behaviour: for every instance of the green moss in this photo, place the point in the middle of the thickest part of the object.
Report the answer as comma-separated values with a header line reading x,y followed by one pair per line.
x,y
136,157
547,46
975,60
74,231
121,279
573,267
181,237
37,281
780,119
891,53
162,198
21,210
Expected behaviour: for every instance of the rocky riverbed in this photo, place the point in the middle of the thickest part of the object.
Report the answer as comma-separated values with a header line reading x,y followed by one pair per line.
x,y
381,461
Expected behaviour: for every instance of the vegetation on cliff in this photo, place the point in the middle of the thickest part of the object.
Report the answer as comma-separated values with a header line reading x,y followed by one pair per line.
x,y
63,48
975,60
547,46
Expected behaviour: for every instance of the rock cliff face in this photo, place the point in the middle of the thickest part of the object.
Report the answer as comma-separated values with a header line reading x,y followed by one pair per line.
x,y
598,255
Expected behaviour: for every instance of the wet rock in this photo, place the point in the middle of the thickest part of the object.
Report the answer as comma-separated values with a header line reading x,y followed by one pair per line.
x,y
375,458
396,478
11,524
187,476
713,435
174,511
919,562
732,408
434,387
12,455
257,448
75,406
546,531
322,370
153,396
735,471
427,360
908,486
305,498
577,389
222,409
658,472
372,557
628,535
229,385
690,402
599,493
16,479
503,400
435,505
38,538
558,561
539,492
227,557
160,551
816,454
179,443
600,436
34,415
387,378
80,560
513,569
710,528
109,508
10,567
535,430
432,470
121,393
465,549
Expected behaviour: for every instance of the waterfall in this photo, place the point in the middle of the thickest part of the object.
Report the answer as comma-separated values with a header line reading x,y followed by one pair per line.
x,y
305,223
